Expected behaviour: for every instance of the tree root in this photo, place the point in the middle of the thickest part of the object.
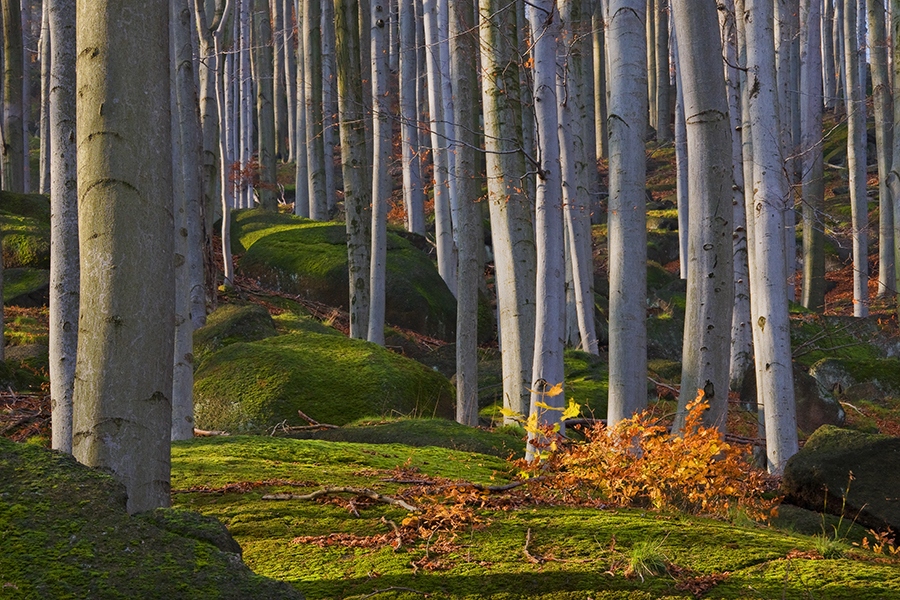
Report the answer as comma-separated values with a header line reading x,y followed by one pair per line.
x,y
345,490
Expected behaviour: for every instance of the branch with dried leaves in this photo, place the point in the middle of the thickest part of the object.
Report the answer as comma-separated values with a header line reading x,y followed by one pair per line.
x,y
345,490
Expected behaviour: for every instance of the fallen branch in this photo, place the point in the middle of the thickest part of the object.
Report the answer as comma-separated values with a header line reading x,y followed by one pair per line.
x,y
206,433
465,484
344,490
313,424
536,559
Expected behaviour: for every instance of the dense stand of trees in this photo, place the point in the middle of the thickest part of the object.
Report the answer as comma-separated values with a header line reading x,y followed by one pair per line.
x,y
512,103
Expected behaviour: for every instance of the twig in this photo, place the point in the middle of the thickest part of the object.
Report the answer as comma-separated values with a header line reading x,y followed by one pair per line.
x,y
672,389
536,559
344,490
313,424
396,532
206,433
393,588
842,403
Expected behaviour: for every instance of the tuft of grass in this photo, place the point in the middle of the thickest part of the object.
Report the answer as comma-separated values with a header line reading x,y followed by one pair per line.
x,y
647,559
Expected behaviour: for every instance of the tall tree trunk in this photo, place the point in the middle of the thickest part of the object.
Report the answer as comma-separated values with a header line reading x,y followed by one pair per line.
x,y
661,47
741,333
329,103
44,49
13,149
354,162
302,187
413,192
682,198
381,159
894,175
710,283
813,182
186,184
512,229
279,81
290,70
771,324
599,39
262,57
122,416
829,81
884,127
856,161
627,210
64,269
312,66
463,55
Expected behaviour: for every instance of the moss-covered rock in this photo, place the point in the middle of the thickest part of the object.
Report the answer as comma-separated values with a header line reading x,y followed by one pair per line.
x,y
251,386
309,259
26,287
66,534
25,230
231,323
839,469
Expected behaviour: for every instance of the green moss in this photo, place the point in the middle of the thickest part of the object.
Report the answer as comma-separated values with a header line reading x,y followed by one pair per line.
x,y
229,324
20,283
309,259
66,534
25,230
587,381
254,386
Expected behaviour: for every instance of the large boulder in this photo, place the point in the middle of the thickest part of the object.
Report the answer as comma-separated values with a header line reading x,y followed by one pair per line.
x,y
26,287
25,230
66,534
815,405
844,470
253,386
229,324
309,259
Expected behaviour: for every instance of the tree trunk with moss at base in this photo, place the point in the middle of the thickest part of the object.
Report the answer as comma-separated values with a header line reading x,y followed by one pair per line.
x,y
122,415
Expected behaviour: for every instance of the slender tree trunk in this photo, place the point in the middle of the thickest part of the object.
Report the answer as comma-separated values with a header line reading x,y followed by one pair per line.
x,y
894,175
64,269
381,159
771,325
122,416
302,188
290,66
354,162
710,283
315,144
413,192
44,49
279,81
856,161
884,127
13,149
262,57
329,103
682,198
600,95
627,210
829,78
512,229
652,71
813,182
463,55
661,47
186,180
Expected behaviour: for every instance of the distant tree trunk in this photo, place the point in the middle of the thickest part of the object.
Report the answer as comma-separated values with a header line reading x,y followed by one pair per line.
x,y
884,127
329,104
437,124
290,70
547,369
463,53
381,159
208,75
894,175
64,269
122,416
354,162
652,71
661,46
710,283
771,324
245,104
741,331
512,229
856,161
13,149
681,169
599,39
279,83
44,50
627,210
226,186
312,67
262,57
574,166
784,70
186,184
413,192
837,35
829,79
813,182
302,188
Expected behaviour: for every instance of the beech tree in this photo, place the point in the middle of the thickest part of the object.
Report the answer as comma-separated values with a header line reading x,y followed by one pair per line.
x,y
710,281
262,57
123,386
12,151
627,123
64,268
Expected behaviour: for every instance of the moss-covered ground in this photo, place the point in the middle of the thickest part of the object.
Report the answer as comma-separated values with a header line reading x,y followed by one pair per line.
x,y
522,551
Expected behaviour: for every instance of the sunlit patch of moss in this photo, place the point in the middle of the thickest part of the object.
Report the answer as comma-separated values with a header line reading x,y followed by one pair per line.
x,y
25,230
20,283
587,381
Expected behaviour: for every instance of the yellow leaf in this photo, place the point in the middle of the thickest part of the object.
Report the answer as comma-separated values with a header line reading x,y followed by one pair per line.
x,y
508,412
572,411
545,406
556,390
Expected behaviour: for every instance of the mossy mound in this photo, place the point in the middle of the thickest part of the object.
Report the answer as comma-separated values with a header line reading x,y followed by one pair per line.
x,y
442,433
26,287
229,324
252,386
25,229
26,367
309,259
843,470
66,534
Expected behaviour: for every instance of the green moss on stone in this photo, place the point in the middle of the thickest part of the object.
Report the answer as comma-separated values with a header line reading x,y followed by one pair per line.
x,y
25,230
25,286
229,324
254,386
